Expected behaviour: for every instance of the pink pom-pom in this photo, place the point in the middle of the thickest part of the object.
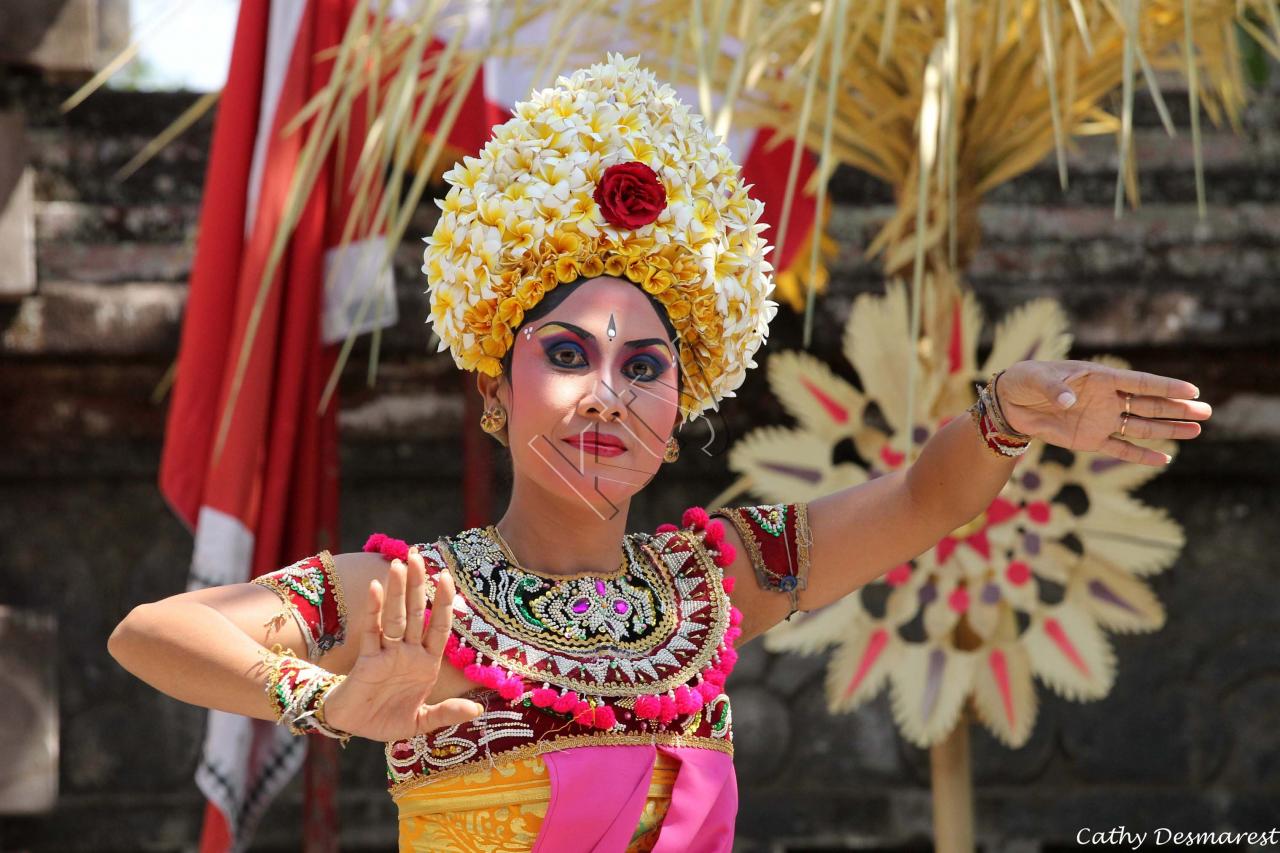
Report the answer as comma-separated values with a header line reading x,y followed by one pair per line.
x,y
512,688
666,709
374,542
473,673
687,701
666,528
709,691
543,697
491,677
725,555
714,534
583,713
735,616
732,634
715,676
728,658
565,703
728,583
604,718
451,644
466,655
695,517
394,549
647,707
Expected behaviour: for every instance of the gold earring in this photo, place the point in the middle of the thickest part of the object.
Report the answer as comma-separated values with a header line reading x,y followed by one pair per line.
x,y
493,420
672,453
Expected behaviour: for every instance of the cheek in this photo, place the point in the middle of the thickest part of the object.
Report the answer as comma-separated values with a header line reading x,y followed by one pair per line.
x,y
541,396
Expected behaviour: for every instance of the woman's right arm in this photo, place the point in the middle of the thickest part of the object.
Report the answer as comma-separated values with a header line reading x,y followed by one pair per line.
x,y
206,647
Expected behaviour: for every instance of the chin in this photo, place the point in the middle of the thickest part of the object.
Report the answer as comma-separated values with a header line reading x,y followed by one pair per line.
x,y
606,483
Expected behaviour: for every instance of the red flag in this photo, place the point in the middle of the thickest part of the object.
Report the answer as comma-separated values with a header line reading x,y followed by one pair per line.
x,y
271,495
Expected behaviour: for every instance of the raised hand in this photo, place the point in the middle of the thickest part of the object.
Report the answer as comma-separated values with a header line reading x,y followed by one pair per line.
x,y
1034,398
384,696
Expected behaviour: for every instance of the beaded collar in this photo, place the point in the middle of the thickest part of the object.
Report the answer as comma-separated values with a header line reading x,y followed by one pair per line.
x,y
650,643
646,628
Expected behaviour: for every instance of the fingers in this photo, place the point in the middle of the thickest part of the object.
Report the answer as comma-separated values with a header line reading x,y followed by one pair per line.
x,y
441,614
416,597
1163,407
447,713
1121,449
393,616
1135,427
1152,385
371,638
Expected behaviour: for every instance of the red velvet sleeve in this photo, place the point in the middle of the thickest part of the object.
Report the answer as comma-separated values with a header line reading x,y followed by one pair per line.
x,y
777,539
312,595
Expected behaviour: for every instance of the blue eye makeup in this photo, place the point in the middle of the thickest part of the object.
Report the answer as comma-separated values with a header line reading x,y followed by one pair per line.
x,y
561,354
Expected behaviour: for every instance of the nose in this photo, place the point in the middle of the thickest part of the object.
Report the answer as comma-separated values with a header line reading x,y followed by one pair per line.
x,y
602,402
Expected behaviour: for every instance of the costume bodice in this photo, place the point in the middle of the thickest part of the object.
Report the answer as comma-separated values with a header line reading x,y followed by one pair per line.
x,y
637,656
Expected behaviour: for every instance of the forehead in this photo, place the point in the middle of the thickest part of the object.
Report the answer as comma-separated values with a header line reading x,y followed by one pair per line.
x,y
592,302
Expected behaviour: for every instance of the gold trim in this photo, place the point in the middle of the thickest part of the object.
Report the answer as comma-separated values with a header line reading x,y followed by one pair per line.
x,y
285,594
765,577
655,580
544,746
711,643
748,536
804,542
336,582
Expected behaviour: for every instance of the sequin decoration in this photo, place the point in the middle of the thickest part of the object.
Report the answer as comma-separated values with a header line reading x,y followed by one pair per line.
x,y
312,595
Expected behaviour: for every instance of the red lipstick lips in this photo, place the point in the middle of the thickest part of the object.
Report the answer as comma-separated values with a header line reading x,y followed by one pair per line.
x,y
597,444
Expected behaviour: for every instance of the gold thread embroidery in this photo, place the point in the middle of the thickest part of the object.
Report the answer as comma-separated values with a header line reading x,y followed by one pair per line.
x,y
672,739
653,575
331,570
804,541
287,612
710,644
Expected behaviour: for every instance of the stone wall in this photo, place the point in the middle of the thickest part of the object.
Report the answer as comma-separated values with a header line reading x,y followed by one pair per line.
x,y
1187,738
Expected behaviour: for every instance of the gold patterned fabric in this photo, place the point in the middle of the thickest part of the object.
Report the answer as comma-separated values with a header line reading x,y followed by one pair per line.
x,y
500,809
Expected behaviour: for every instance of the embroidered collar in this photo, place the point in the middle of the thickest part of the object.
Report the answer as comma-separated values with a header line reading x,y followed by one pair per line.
x,y
644,629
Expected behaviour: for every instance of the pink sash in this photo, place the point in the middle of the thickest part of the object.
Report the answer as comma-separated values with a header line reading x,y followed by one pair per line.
x,y
598,793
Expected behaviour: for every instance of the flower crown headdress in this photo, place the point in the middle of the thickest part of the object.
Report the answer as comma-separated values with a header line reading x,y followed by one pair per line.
x,y
605,173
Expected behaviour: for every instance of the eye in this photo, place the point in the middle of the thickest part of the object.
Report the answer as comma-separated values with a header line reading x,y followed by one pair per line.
x,y
566,348
652,368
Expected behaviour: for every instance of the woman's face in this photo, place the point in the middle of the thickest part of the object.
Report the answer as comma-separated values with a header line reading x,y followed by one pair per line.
x,y
592,397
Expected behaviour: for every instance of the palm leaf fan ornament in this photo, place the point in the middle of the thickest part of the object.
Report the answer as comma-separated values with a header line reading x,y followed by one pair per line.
x,y
1026,590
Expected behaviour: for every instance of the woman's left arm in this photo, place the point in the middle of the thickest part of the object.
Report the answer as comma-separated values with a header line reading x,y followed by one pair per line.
x,y
861,532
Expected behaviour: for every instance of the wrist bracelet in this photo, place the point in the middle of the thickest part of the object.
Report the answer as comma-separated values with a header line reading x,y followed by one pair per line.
x,y
297,690
997,412
995,430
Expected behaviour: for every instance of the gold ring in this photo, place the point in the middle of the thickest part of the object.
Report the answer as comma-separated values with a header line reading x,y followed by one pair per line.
x,y
1127,398
392,639
1124,422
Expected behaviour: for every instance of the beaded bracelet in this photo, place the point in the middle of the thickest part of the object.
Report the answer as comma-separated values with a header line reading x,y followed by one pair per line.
x,y
992,424
297,690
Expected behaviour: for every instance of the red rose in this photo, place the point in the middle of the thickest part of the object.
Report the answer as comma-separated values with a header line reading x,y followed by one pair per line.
x,y
630,195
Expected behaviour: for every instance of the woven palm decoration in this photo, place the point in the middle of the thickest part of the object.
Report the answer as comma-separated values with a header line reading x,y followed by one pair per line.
x,y
1028,588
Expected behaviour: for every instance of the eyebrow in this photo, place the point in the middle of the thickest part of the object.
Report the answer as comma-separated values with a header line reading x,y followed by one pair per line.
x,y
585,335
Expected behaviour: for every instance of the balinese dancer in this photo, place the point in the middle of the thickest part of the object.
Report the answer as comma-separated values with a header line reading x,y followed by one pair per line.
x,y
553,682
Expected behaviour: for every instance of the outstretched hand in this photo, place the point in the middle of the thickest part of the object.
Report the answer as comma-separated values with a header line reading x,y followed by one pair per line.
x,y
1080,405
384,696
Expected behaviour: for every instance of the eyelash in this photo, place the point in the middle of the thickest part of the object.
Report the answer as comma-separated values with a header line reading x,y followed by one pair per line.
x,y
657,366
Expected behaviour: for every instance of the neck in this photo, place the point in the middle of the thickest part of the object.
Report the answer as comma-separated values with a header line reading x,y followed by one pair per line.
x,y
550,534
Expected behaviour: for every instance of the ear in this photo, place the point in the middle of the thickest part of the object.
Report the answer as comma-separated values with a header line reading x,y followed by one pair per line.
x,y
488,387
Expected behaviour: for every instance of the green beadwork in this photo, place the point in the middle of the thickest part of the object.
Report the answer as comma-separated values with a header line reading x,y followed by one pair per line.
x,y
775,523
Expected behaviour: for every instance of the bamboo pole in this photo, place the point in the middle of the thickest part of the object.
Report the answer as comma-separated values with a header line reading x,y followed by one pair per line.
x,y
952,780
